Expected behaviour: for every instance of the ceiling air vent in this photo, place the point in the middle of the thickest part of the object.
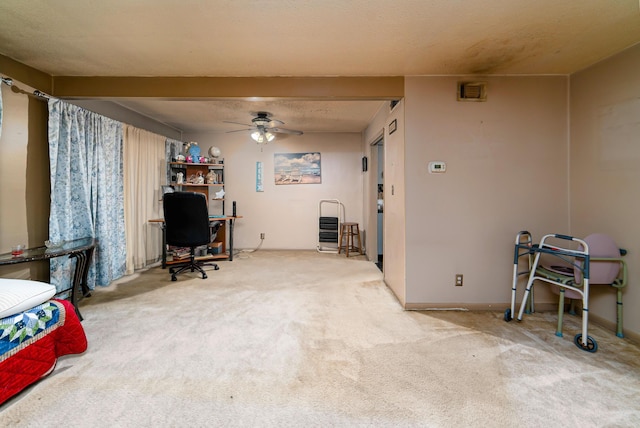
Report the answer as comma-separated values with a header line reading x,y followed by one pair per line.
x,y
472,91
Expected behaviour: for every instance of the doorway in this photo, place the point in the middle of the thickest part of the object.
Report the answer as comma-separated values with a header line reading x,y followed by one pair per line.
x,y
377,152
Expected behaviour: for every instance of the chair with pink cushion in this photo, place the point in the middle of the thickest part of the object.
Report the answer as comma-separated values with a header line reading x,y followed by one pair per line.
x,y
606,268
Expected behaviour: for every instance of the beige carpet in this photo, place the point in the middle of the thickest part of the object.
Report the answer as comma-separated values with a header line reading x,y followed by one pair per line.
x,y
302,339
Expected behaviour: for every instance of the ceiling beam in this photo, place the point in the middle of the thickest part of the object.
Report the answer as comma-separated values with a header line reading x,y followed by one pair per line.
x,y
199,88
25,74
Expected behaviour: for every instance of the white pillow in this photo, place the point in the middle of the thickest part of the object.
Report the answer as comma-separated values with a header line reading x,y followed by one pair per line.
x,y
18,295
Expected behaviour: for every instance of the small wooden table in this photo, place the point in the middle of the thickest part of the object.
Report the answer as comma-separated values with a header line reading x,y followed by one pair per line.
x,y
79,249
221,234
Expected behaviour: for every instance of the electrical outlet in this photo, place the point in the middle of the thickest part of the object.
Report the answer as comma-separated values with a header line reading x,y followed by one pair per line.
x,y
262,235
459,280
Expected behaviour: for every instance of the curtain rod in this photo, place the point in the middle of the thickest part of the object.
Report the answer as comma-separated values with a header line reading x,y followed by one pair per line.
x,y
37,93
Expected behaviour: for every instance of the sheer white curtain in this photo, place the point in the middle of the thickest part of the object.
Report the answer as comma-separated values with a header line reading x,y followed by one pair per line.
x,y
144,173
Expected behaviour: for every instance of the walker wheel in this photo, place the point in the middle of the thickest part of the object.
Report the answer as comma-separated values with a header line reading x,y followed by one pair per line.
x,y
507,315
591,345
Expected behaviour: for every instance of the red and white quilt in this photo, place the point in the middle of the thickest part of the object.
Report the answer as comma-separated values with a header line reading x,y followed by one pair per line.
x,y
32,341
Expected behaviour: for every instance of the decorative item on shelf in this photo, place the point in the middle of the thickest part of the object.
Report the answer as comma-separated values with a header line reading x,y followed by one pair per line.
x,y
53,244
179,178
189,159
180,158
194,151
211,177
17,250
214,153
199,178
220,194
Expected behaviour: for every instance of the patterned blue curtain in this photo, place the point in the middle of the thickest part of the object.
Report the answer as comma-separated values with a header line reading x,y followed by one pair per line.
x,y
85,154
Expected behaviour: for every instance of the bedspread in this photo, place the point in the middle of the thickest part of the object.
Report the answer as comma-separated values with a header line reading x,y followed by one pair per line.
x,y
32,341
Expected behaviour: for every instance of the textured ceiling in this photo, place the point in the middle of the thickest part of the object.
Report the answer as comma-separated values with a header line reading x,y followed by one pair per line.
x,y
209,116
311,38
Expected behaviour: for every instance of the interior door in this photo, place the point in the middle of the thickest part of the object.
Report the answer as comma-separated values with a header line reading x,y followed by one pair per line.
x,y
378,148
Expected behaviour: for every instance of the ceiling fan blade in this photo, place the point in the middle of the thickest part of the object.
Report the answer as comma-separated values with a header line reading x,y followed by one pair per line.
x,y
241,130
285,131
237,123
274,123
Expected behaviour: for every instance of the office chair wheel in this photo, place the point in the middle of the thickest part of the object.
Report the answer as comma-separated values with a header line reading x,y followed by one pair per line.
x,y
216,267
507,315
204,276
591,346
173,278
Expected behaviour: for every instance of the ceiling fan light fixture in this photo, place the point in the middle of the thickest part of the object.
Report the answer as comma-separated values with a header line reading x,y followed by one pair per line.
x,y
262,137
263,128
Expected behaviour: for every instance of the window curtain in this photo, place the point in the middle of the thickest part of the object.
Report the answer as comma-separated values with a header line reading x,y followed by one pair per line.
x,y
86,168
172,149
144,172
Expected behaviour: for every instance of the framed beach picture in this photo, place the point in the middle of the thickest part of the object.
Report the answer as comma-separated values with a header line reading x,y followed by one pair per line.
x,y
297,168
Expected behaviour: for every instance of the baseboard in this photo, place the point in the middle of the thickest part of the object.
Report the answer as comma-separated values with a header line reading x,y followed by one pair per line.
x,y
609,325
543,307
16,272
540,307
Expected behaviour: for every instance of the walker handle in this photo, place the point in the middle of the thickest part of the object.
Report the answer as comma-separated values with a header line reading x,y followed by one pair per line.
x,y
570,238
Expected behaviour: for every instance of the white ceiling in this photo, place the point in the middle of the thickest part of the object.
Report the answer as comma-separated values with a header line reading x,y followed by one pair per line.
x,y
309,38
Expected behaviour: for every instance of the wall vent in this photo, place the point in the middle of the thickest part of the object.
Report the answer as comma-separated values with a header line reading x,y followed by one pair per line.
x,y
472,91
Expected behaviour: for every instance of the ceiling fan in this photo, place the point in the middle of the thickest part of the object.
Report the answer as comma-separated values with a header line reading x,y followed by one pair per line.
x,y
263,127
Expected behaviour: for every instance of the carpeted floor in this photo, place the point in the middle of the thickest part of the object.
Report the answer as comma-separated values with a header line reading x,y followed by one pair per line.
x,y
299,338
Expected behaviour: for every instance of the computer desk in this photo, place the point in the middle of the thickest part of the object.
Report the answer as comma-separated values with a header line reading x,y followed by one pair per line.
x,y
221,235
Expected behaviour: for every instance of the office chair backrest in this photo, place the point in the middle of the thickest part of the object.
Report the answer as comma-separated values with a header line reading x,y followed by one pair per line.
x,y
186,218
601,245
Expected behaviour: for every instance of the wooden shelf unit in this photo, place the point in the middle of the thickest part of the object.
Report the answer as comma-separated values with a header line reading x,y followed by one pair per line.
x,y
191,170
220,237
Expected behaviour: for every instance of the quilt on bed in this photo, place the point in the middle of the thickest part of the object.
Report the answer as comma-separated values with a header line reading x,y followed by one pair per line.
x,y
32,341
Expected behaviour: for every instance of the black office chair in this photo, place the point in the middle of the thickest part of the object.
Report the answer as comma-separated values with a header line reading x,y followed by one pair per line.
x,y
186,222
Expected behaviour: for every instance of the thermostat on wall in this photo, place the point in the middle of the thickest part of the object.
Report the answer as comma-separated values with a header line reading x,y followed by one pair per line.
x,y
436,167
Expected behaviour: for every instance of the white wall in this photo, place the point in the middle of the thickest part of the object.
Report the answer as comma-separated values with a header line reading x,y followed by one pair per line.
x,y
287,214
506,171
605,168
13,164
24,174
